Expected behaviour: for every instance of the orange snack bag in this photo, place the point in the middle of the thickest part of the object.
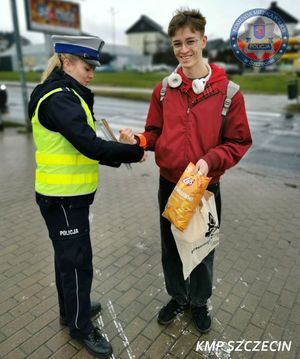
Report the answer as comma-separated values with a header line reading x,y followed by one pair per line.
x,y
185,197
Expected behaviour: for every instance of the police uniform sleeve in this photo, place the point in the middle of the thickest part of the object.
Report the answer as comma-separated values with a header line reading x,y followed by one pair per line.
x,y
63,113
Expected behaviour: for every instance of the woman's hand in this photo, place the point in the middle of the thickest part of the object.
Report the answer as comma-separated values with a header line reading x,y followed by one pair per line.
x,y
127,136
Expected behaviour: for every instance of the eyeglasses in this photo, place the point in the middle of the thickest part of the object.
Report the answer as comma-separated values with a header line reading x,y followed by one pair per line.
x,y
189,43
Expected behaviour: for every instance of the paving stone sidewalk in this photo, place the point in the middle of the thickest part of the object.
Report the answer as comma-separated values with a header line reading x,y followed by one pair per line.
x,y
257,268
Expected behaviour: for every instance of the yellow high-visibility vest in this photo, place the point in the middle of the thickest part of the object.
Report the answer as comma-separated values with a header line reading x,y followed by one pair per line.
x,y
61,170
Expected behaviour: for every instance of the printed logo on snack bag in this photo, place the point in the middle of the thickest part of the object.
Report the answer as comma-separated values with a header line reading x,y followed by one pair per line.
x,y
188,181
259,37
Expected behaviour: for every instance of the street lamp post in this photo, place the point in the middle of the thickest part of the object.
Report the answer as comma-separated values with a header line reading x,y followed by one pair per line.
x,y
20,63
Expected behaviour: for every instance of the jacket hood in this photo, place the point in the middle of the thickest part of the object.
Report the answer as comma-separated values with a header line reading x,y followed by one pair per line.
x,y
217,75
58,78
216,82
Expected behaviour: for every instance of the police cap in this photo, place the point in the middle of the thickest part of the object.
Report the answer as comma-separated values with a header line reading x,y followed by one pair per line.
x,y
88,48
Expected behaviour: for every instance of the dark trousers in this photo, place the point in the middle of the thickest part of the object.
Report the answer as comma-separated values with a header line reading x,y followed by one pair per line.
x,y
197,289
69,231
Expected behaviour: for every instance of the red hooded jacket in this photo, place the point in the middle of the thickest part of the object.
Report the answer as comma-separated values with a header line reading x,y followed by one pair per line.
x,y
185,127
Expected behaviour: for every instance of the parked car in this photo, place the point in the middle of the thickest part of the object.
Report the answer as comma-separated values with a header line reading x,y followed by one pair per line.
x,y
38,68
269,68
105,68
230,68
160,68
154,68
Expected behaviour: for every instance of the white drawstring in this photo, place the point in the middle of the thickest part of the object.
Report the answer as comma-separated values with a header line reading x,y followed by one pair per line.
x,y
65,215
77,299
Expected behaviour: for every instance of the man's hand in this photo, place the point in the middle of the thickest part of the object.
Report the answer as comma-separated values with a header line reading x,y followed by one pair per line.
x,y
144,157
127,136
201,168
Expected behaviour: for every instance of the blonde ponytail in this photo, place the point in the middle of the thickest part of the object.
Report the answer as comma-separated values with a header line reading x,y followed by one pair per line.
x,y
53,62
56,60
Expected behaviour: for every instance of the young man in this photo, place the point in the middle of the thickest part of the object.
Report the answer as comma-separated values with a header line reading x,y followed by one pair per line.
x,y
185,124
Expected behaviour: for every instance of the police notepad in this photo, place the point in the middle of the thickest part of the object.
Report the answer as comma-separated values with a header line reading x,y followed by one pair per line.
x,y
108,134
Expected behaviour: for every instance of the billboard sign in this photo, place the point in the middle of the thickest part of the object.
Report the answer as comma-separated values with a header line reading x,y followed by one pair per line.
x,y
53,16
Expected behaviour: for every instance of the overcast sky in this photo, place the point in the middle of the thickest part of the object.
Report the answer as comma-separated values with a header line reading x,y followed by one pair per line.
x,y
96,15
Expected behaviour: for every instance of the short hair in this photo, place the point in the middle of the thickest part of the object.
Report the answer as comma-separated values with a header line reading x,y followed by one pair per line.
x,y
187,17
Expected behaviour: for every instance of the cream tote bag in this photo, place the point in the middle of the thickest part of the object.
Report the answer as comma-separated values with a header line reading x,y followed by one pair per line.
x,y
201,235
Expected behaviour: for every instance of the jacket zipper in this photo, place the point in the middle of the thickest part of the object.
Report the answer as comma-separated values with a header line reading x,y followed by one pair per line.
x,y
188,108
187,112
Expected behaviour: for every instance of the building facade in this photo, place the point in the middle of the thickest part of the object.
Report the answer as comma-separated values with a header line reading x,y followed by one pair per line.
x,y
147,37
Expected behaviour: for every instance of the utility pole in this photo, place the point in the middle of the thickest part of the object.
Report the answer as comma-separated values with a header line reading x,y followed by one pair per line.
x,y
20,63
113,29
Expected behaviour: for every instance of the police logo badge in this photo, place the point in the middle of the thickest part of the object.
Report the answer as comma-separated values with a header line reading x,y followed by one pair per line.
x,y
259,37
259,31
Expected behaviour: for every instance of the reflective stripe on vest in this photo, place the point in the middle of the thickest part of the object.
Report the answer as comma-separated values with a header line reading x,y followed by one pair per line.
x,y
61,169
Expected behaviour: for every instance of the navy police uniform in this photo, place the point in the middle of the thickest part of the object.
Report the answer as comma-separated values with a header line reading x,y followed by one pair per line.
x,y
67,216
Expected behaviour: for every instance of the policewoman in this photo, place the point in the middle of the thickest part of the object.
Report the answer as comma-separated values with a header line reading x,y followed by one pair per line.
x,y
67,156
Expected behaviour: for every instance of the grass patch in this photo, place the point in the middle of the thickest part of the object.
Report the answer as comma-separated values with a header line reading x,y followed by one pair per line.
x,y
294,107
264,84
249,82
128,78
13,124
14,76
122,78
137,96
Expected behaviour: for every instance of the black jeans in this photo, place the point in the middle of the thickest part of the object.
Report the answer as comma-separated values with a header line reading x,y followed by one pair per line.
x,y
69,231
197,289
